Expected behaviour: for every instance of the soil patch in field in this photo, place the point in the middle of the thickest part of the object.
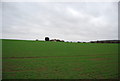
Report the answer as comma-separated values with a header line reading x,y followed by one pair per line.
x,y
22,70
99,59
77,69
48,57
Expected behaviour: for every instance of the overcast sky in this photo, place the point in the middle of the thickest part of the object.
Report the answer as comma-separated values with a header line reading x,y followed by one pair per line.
x,y
70,21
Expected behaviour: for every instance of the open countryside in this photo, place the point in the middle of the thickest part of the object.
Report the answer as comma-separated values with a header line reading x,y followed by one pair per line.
x,y
60,40
25,59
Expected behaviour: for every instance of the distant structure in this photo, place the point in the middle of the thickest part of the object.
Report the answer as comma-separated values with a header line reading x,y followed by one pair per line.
x,y
46,38
57,40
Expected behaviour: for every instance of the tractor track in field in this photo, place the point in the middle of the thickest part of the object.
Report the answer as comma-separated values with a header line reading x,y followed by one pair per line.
x,y
37,57
47,57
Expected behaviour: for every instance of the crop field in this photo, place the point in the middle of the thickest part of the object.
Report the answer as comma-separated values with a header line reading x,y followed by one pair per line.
x,y
58,60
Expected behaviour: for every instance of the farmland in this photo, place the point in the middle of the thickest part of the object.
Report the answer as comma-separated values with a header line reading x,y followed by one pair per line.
x,y
58,60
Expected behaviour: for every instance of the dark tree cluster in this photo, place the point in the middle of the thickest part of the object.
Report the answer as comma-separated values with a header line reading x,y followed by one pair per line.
x,y
106,41
36,39
55,40
46,38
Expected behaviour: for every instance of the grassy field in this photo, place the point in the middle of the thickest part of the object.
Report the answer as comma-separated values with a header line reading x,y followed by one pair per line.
x,y
58,60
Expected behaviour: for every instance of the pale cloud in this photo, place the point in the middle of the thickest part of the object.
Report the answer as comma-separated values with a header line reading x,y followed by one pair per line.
x,y
68,21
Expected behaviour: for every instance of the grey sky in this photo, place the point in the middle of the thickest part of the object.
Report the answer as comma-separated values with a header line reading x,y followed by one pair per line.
x,y
68,21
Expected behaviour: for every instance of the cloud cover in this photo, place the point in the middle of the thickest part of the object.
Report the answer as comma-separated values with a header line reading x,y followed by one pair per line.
x,y
82,21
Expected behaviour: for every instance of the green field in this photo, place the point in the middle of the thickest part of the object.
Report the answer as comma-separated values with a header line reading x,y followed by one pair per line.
x,y
58,60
